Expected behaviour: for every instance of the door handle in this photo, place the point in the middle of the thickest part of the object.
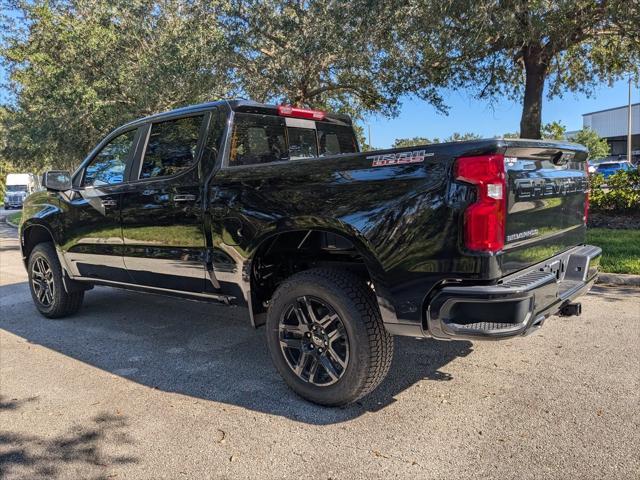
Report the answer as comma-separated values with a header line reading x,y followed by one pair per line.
x,y
184,198
109,203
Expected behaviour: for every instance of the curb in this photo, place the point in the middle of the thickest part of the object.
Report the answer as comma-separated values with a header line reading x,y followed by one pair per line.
x,y
11,224
618,279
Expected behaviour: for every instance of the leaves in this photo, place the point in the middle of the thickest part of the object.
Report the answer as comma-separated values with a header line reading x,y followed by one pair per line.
x,y
415,141
519,49
598,147
78,70
621,195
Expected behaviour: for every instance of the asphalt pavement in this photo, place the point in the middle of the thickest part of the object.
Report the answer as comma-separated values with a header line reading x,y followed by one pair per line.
x,y
141,386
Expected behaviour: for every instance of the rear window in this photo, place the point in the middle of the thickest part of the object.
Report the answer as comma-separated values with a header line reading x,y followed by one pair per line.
x,y
260,139
335,139
302,143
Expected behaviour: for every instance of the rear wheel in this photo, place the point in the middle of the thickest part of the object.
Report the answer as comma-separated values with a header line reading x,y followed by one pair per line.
x,y
46,284
326,337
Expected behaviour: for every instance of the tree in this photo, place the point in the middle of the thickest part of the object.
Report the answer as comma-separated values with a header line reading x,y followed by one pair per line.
x,y
412,142
415,141
519,47
550,131
597,146
77,69
554,131
462,137
321,54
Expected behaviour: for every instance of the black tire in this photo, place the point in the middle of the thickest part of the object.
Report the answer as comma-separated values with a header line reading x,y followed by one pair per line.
x,y
57,303
369,347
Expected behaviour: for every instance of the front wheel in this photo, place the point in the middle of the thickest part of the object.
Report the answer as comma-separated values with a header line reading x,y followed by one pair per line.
x,y
46,284
326,337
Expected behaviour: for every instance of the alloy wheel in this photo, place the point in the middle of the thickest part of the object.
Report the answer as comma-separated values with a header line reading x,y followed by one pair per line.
x,y
42,281
314,341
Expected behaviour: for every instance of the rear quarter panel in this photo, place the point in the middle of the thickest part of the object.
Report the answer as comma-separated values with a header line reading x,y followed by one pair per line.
x,y
405,218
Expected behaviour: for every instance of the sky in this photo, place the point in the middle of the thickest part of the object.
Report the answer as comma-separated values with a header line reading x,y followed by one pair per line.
x,y
418,119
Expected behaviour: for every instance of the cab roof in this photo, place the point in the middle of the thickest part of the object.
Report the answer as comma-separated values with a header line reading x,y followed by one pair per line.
x,y
236,105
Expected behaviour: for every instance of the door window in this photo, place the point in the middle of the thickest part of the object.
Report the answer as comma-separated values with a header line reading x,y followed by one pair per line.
x,y
108,166
171,148
257,139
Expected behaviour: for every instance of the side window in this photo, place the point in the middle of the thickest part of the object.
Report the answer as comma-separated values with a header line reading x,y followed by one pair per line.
x,y
108,166
302,143
335,139
257,139
171,148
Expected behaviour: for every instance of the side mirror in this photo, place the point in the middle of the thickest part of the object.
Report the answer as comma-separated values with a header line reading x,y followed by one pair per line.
x,y
57,180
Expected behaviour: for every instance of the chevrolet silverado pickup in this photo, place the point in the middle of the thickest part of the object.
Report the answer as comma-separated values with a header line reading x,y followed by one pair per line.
x,y
335,251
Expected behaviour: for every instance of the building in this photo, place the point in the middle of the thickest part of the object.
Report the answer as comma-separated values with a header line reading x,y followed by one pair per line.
x,y
611,124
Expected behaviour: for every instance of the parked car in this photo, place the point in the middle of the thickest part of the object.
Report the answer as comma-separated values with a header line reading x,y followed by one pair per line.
x,y
606,169
275,209
18,186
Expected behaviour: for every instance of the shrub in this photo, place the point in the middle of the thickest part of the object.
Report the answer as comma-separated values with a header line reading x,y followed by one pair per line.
x,y
619,194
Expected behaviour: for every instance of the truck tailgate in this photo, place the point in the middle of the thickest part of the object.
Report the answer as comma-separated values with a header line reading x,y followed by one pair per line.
x,y
547,201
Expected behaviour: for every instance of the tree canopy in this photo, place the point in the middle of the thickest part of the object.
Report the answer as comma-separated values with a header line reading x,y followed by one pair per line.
x,y
520,48
320,54
78,68
597,146
414,141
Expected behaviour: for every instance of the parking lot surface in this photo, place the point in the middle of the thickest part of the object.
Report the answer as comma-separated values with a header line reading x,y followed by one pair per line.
x,y
145,387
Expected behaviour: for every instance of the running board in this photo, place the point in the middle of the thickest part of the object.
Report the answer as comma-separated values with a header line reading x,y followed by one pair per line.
x,y
201,296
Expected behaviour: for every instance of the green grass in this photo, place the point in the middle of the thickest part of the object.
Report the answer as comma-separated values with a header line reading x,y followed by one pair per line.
x,y
15,217
620,249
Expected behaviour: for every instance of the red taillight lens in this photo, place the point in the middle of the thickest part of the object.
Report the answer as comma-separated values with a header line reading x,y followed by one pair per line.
x,y
289,111
484,220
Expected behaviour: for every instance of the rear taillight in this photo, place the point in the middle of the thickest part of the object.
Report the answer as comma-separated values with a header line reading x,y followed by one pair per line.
x,y
484,220
289,111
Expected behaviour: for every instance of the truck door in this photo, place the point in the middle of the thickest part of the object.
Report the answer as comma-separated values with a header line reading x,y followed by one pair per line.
x,y
162,215
92,235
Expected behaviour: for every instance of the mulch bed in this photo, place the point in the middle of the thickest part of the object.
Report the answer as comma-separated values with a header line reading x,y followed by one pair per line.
x,y
613,221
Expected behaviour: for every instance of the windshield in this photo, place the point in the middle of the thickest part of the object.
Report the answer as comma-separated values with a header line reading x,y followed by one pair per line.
x,y
16,188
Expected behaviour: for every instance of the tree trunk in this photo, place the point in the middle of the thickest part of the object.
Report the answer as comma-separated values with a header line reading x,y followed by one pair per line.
x,y
536,73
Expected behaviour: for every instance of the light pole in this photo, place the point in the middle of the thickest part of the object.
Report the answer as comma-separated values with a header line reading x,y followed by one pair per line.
x,y
629,125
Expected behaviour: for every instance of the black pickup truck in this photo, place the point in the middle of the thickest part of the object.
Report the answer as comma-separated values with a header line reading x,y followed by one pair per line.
x,y
273,208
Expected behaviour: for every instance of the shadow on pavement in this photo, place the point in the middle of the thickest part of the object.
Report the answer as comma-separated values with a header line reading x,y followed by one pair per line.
x,y
81,448
613,293
202,350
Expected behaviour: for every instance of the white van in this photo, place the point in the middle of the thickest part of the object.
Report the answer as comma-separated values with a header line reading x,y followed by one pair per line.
x,y
18,187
